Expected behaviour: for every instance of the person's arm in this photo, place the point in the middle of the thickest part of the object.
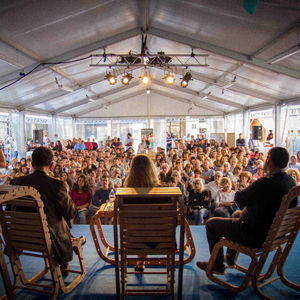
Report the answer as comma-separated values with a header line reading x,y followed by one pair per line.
x,y
64,204
2,158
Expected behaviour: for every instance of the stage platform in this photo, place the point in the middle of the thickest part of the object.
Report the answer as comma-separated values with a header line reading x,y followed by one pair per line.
x,y
99,282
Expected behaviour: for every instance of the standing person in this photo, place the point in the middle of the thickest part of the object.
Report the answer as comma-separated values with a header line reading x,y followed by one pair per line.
x,y
128,141
82,197
57,204
240,142
169,142
262,200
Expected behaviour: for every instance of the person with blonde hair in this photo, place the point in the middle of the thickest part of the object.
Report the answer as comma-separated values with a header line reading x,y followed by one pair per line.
x,y
225,199
295,174
244,181
198,202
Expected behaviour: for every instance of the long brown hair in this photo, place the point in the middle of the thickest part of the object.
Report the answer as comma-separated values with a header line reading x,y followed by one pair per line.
x,y
142,173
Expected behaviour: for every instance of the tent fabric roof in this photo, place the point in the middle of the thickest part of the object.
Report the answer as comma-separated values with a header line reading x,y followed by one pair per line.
x,y
36,35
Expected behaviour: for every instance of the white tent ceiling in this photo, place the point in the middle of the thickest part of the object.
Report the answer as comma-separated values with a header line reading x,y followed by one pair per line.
x,y
37,32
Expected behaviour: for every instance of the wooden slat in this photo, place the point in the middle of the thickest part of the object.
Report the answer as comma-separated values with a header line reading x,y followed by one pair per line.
x,y
29,247
24,227
146,251
34,222
145,220
148,227
39,234
148,207
149,233
23,215
149,192
147,239
291,221
32,240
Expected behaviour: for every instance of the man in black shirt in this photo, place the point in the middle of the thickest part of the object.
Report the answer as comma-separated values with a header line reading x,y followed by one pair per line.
x,y
261,200
240,142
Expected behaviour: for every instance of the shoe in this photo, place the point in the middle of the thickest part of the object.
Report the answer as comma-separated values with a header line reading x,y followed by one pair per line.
x,y
65,268
82,241
139,267
230,261
219,270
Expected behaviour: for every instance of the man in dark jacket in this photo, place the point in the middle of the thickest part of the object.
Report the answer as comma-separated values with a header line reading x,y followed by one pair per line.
x,y
57,203
261,200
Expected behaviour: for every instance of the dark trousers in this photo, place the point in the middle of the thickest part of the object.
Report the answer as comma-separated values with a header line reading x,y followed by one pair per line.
x,y
232,229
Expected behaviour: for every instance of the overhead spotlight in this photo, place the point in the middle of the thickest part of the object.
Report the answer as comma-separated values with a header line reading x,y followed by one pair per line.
x,y
126,79
169,78
111,78
185,80
146,78
148,91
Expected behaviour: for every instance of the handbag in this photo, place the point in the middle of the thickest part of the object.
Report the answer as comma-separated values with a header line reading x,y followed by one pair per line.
x,y
232,208
189,211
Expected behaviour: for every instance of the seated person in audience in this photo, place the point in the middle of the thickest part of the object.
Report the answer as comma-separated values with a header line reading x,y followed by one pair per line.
x,y
179,184
67,179
294,173
224,199
101,195
244,181
207,173
199,202
164,174
236,177
82,197
91,180
226,168
115,178
188,172
293,164
213,187
262,200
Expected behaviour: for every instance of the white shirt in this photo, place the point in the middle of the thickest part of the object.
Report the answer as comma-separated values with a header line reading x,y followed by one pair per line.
x,y
213,188
224,197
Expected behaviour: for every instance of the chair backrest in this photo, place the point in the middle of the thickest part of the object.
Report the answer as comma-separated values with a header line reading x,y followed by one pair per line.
x,y
286,223
147,219
147,223
24,225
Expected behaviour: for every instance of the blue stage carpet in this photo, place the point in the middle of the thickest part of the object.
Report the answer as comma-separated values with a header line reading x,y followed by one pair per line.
x,y
99,282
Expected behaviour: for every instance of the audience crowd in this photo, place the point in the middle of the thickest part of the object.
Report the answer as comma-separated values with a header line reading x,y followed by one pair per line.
x,y
207,173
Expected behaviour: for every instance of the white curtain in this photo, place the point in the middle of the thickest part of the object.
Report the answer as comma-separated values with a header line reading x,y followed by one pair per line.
x,y
17,120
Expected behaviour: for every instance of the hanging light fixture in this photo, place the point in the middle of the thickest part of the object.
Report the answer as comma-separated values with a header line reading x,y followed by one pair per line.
x,y
146,78
185,79
126,79
169,78
111,78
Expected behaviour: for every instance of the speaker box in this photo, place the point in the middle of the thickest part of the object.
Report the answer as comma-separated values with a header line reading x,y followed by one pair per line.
x,y
256,132
38,136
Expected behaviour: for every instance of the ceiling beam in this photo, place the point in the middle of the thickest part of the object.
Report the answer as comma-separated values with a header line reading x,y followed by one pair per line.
x,y
74,53
70,106
109,103
144,13
236,87
198,95
223,51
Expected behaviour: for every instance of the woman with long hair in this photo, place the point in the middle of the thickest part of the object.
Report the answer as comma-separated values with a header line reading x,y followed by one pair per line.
x,y
64,176
24,169
82,197
57,171
58,146
142,174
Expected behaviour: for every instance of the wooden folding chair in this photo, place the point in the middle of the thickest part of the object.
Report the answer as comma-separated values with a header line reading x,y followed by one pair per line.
x,y
281,237
147,226
26,233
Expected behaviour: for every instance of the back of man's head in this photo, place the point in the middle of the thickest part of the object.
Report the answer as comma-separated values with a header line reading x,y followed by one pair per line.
x,y
42,157
280,157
